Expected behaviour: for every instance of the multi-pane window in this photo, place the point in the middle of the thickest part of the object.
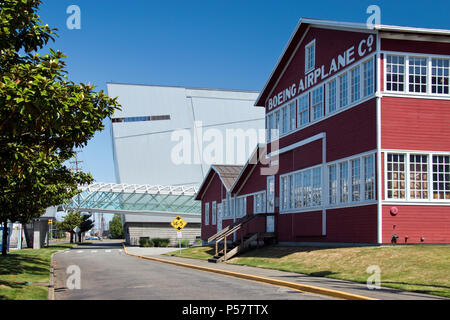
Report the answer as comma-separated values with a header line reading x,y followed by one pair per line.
x,y
395,73
317,103
286,122
355,88
293,115
417,74
356,180
343,90
270,126
441,177
368,78
343,182
332,178
284,193
331,94
259,202
276,125
214,213
298,202
369,178
303,110
270,194
307,189
241,206
396,176
418,176
310,56
207,213
317,187
440,76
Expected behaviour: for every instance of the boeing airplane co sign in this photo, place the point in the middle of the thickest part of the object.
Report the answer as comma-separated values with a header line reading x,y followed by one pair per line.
x,y
363,48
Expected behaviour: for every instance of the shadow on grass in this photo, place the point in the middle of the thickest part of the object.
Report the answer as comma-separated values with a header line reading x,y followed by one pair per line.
x,y
276,252
20,264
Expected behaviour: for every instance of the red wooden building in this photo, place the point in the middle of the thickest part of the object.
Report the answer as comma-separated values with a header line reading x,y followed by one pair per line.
x,y
358,140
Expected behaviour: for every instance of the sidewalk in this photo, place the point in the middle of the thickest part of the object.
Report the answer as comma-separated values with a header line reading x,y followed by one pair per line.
x,y
326,283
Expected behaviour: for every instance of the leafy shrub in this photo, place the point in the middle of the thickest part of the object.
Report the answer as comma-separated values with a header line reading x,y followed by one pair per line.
x,y
145,242
161,242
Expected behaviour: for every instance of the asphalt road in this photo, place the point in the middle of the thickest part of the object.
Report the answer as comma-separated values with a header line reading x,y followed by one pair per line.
x,y
107,273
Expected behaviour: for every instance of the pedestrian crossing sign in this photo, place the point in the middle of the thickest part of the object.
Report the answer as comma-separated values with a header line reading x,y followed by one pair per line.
x,y
178,223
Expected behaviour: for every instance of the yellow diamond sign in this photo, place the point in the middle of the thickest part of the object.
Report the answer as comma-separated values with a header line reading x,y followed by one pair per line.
x,y
178,223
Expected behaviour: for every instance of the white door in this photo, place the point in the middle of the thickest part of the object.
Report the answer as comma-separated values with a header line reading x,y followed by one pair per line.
x,y
219,217
270,224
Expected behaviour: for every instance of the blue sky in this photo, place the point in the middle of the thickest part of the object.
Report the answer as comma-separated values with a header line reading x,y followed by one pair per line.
x,y
210,44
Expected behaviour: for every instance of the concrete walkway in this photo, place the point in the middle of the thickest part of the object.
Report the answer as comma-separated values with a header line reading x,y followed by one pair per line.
x,y
327,283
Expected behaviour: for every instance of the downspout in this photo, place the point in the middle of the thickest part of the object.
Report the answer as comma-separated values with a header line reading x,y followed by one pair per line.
x,y
378,111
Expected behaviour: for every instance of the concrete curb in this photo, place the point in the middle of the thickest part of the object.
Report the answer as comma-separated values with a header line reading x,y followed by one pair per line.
x,y
281,283
51,285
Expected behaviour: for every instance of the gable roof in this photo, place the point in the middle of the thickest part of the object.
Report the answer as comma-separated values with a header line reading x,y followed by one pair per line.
x,y
302,27
248,167
226,173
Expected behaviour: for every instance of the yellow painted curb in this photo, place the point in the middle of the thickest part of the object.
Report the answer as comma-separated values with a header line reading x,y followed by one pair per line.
x,y
281,283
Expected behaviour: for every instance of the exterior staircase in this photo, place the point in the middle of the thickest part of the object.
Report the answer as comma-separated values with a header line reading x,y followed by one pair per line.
x,y
228,250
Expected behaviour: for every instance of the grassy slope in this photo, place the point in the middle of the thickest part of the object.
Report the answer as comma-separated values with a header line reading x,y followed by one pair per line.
x,y
24,274
414,268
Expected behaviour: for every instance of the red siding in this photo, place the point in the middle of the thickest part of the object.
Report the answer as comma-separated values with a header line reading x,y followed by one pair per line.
x,y
415,124
415,46
415,222
213,193
354,225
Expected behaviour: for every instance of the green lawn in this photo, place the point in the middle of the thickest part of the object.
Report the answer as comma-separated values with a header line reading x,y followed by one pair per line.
x,y
424,269
24,274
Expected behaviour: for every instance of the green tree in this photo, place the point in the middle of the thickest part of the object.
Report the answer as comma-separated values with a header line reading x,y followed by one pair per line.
x,y
43,116
72,220
115,227
85,225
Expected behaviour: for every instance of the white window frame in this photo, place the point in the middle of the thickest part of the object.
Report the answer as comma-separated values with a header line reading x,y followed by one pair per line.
x,y
315,104
308,65
214,213
408,199
405,73
305,111
270,195
206,213
259,202
437,68
429,84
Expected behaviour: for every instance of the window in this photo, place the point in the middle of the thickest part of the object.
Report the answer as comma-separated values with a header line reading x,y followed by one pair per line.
x,y
284,193
441,177
343,90
241,206
298,202
214,213
259,202
303,110
369,178
332,99
440,76
276,125
395,176
207,213
310,56
395,73
332,178
418,176
343,182
317,187
271,194
355,89
356,180
286,122
307,190
293,115
368,81
269,127
417,75
317,103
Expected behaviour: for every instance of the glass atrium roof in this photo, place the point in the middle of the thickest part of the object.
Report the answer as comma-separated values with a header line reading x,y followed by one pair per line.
x,y
136,199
